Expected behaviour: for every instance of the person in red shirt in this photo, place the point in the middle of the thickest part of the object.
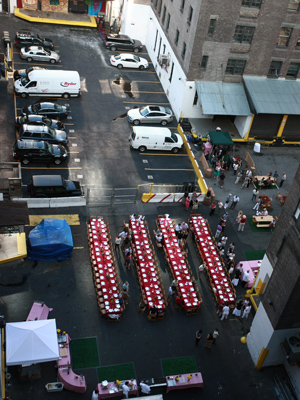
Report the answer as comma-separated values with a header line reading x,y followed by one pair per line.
x,y
178,301
242,223
212,208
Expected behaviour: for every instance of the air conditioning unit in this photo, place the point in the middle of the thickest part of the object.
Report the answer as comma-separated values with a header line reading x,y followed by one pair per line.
x,y
163,60
291,346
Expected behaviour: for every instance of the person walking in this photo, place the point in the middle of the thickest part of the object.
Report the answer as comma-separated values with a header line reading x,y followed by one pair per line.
x,y
246,278
212,208
221,179
257,204
187,203
275,176
127,260
198,336
246,311
218,231
215,335
118,242
209,340
235,200
171,292
195,206
220,207
242,223
283,178
254,194
126,389
238,309
239,217
202,268
225,312
95,394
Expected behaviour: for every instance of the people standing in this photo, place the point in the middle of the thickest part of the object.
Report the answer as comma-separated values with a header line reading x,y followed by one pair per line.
x,y
127,260
221,179
95,394
146,389
209,340
239,217
125,389
118,241
246,311
238,178
283,178
171,292
225,312
202,268
254,194
218,231
275,176
212,208
236,279
215,335
242,223
235,200
187,203
246,278
238,309
220,207
198,336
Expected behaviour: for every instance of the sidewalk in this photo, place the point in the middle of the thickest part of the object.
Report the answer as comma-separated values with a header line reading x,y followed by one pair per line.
x,y
46,17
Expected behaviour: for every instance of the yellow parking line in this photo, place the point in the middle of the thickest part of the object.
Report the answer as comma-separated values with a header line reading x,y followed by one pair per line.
x,y
68,123
140,102
140,91
137,70
78,248
157,154
169,169
72,219
44,65
58,168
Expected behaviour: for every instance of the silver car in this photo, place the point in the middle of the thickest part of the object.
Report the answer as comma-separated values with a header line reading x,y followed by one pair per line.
x,y
38,53
150,115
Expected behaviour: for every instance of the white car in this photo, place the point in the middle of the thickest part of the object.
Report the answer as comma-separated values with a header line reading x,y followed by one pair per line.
x,y
150,115
129,61
38,53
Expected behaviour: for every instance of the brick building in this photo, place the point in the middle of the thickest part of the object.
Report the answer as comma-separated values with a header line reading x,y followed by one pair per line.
x,y
220,42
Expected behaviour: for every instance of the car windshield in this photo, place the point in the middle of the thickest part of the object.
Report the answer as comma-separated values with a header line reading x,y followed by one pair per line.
x,y
49,147
52,131
174,137
40,37
47,51
29,70
168,111
23,119
58,107
46,121
24,80
132,41
117,57
144,111
27,49
36,107
137,58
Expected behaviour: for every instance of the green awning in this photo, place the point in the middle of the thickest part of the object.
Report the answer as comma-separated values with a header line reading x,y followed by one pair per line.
x,y
223,138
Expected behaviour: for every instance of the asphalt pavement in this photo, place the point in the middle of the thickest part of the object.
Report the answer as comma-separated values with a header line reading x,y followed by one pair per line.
x,y
68,287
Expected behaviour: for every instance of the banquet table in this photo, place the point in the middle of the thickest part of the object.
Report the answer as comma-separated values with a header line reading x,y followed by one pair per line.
x,y
210,255
149,275
101,254
73,382
183,382
178,266
113,390
39,311
262,219
253,268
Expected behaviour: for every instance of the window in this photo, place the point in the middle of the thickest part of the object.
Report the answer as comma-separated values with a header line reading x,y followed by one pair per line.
x,y
155,40
164,49
293,70
177,37
211,28
190,15
156,2
160,6
284,36
171,73
182,5
168,22
235,67
252,3
164,15
293,5
243,34
204,62
183,51
297,212
195,98
275,68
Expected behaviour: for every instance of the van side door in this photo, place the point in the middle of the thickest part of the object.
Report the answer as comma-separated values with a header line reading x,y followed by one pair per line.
x,y
168,143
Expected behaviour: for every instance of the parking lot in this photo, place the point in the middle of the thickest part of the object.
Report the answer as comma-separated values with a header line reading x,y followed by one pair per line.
x,y
97,126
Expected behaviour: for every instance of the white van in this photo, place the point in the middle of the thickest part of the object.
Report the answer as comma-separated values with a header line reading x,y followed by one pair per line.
x,y
147,138
49,83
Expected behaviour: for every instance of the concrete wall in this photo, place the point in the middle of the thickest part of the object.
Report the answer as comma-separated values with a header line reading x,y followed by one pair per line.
x,y
265,271
135,20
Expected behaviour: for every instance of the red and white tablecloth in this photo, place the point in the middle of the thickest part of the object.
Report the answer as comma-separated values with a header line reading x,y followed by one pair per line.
x,y
210,256
102,253
178,265
147,271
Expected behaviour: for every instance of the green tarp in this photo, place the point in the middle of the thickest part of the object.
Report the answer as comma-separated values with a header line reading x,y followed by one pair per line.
x,y
223,138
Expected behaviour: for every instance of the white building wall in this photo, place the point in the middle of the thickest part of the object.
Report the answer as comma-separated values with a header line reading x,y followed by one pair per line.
x,y
265,271
242,124
135,20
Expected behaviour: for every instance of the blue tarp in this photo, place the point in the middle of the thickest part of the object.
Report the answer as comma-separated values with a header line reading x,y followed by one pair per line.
x,y
51,240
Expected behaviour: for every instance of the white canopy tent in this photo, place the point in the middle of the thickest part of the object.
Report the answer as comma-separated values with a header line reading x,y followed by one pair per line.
x,y
31,342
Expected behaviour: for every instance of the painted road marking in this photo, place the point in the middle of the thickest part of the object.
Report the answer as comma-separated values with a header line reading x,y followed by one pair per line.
x,y
74,144
169,169
72,219
156,154
140,102
77,159
52,65
57,169
78,248
149,176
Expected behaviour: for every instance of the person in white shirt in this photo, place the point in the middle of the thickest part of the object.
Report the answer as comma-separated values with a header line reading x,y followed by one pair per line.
x,y
235,200
246,278
145,388
246,312
125,389
225,312
95,395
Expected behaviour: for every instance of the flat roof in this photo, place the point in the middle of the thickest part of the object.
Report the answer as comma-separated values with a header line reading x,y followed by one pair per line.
x,y
273,96
221,98
13,213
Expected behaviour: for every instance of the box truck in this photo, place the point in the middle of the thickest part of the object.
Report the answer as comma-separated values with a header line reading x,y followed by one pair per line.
x,y
49,83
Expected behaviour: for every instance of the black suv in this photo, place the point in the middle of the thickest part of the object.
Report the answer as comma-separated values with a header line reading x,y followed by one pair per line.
x,y
28,151
53,186
122,42
24,38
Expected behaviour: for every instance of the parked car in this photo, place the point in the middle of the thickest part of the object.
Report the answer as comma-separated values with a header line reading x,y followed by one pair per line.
x,y
51,110
122,42
148,138
37,151
45,133
20,73
38,53
53,186
26,38
39,120
150,115
128,61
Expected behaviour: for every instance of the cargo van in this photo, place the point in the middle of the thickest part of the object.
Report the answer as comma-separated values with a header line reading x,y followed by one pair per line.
x,y
49,83
53,186
146,138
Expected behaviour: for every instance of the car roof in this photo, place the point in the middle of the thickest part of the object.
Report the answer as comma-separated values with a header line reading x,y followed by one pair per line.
x,y
117,36
35,48
34,117
25,34
47,180
35,128
156,108
46,104
31,144
127,55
